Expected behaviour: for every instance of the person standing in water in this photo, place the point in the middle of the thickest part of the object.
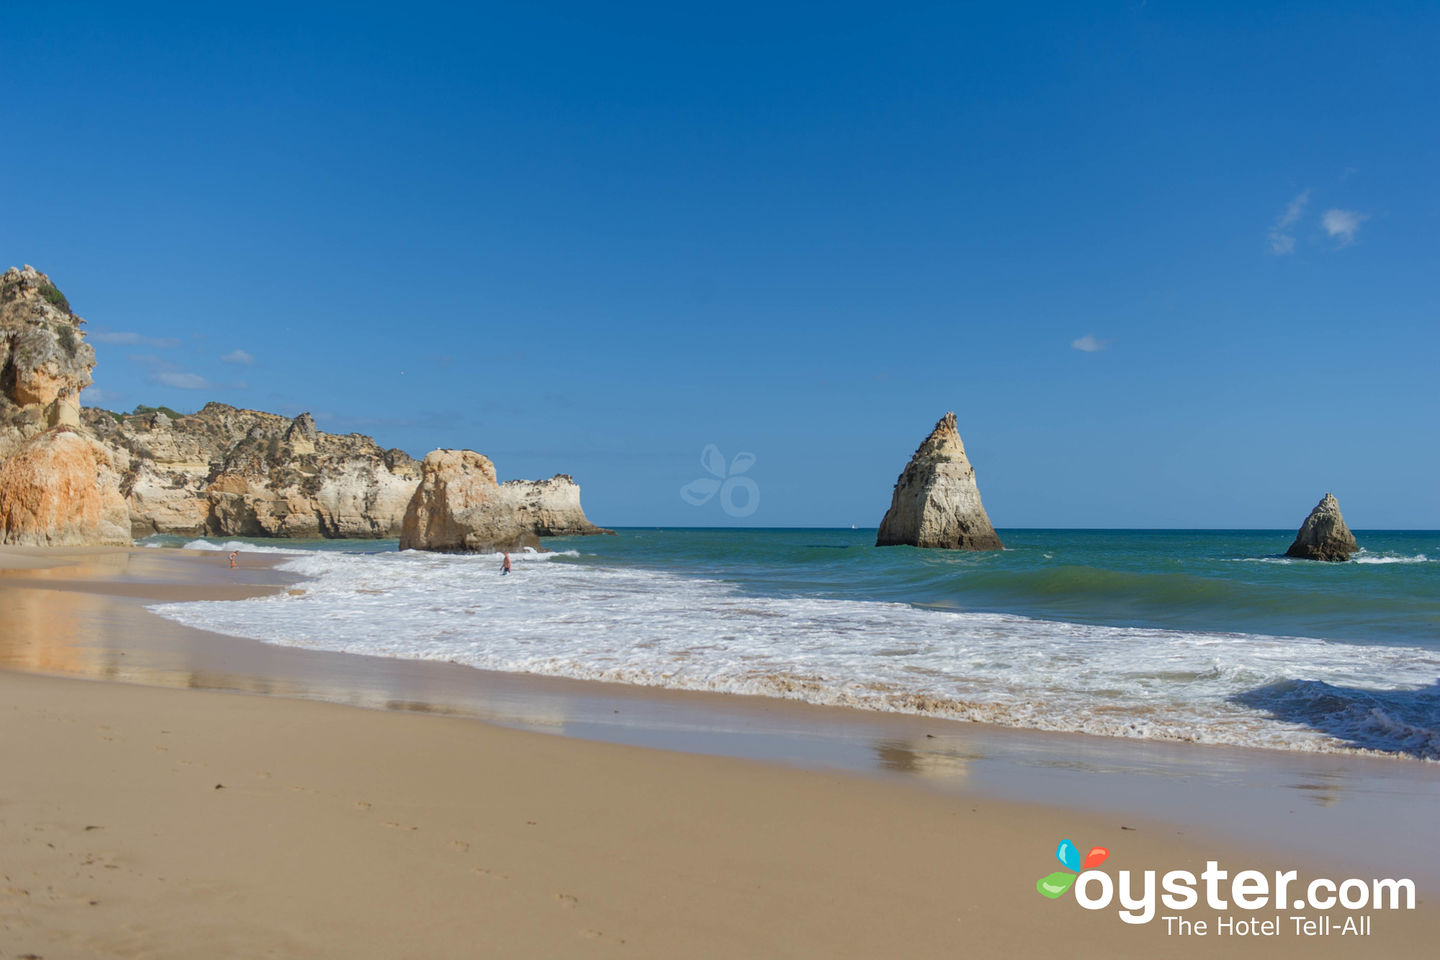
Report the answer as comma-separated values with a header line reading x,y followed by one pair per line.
x,y
505,566
233,557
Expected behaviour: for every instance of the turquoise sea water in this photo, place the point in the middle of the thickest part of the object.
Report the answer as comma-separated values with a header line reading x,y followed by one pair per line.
x,y
1217,580
1194,635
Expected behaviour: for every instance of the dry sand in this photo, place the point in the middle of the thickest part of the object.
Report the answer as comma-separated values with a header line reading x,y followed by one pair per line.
x,y
142,821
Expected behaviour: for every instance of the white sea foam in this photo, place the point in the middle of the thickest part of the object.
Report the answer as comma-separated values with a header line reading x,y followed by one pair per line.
x,y
649,627
230,546
1361,557
1364,556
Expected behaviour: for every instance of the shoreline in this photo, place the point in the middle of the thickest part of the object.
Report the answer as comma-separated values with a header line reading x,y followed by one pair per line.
x,y
763,826
792,618
1290,796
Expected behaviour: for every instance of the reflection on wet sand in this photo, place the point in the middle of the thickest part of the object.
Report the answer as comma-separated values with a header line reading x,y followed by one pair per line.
x,y
35,566
45,636
1326,791
917,759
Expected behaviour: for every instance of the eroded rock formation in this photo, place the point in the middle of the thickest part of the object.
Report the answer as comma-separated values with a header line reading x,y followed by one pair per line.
x,y
936,502
551,507
221,471
58,487
230,472
61,489
44,359
1323,535
460,507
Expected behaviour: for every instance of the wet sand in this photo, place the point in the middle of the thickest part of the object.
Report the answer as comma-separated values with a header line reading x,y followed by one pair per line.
x,y
417,831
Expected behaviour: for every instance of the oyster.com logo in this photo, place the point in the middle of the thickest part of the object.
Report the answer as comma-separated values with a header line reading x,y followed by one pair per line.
x,y
1271,903
1069,856
727,480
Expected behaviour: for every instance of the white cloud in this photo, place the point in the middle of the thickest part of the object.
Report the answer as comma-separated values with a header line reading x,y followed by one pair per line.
x,y
1342,224
127,337
181,380
1089,344
1282,241
238,356
94,395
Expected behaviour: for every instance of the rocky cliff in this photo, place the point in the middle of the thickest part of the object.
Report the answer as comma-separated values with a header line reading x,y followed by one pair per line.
x,y
230,472
219,472
551,507
44,359
460,507
57,486
936,502
1323,535
61,489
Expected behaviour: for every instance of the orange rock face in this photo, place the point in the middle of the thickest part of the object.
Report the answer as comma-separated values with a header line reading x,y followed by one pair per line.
x,y
460,508
61,489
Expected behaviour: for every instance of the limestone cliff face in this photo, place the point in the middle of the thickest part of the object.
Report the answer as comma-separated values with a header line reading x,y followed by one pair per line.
x,y
222,471
57,486
229,472
551,507
460,507
936,502
44,359
61,489
1323,535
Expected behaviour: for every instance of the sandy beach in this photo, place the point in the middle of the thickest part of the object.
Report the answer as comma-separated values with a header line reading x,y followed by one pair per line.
x,y
138,819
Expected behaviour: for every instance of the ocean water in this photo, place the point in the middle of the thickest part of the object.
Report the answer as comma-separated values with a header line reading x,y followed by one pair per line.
x,y
1205,636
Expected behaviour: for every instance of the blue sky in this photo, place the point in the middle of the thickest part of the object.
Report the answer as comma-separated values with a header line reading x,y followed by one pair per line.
x,y
594,240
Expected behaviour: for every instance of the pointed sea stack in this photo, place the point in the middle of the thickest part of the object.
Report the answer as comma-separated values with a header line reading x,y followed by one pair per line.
x,y
936,501
1323,535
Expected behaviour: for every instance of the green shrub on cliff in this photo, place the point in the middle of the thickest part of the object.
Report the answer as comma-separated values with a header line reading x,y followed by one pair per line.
x,y
65,334
54,297
142,410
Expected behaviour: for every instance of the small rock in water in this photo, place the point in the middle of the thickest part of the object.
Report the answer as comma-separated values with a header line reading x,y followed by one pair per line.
x,y
1323,535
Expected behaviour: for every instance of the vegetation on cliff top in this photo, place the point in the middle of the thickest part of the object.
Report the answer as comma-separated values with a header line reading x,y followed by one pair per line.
x,y
142,410
55,298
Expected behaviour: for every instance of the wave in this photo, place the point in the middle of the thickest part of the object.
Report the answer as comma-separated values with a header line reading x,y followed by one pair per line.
x,y
1364,556
655,628
230,546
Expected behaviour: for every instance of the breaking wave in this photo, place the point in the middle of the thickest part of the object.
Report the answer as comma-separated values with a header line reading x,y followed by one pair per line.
x,y
650,627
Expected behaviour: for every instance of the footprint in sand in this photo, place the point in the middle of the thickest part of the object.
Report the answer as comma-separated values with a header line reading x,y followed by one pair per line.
x,y
399,826
490,873
362,804
460,845
567,901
